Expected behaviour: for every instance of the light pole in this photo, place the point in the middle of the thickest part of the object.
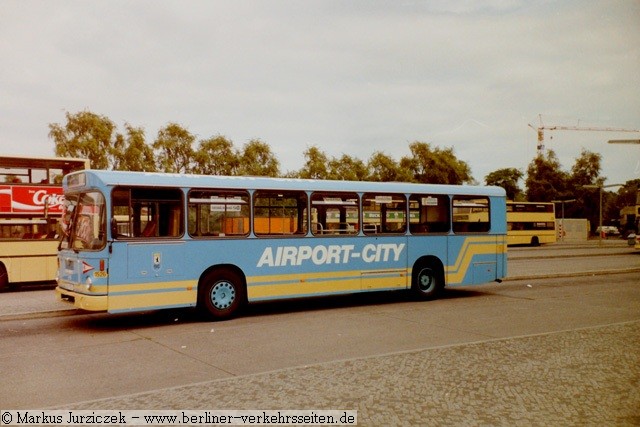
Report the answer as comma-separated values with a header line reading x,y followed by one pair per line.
x,y
562,220
601,187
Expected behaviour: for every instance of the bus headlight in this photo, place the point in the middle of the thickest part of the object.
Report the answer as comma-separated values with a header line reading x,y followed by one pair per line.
x,y
88,283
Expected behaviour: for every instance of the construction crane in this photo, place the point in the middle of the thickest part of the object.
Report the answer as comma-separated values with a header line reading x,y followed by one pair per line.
x,y
540,129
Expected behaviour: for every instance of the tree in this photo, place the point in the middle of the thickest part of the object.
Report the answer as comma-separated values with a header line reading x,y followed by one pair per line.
x,y
348,168
435,165
86,135
257,159
546,181
586,170
216,156
174,147
315,166
133,153
507,178
383,168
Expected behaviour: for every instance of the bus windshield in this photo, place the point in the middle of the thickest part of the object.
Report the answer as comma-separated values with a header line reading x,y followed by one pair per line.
x,y
87,228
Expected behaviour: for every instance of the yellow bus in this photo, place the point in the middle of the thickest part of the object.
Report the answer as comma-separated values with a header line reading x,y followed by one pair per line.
x,y
31,204
531,223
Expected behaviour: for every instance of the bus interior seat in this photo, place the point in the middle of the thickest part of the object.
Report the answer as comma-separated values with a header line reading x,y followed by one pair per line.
x,y
149,229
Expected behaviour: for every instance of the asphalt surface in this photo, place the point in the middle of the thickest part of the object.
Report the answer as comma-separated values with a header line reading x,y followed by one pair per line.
x,y
587,376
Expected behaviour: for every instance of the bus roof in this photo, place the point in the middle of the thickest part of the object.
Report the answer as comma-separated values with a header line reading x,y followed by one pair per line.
x,y
96,178
41,162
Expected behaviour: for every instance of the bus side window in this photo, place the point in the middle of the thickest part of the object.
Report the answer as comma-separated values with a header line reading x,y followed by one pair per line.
x,y
218,213
384,213
277,213
334,214
470,214
147,212
428,213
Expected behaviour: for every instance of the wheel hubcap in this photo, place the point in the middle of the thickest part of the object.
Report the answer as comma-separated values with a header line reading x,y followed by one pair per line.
x,y
426,280
222,295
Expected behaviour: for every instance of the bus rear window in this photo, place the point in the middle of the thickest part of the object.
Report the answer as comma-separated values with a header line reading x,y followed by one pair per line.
x,y
470,214
429,213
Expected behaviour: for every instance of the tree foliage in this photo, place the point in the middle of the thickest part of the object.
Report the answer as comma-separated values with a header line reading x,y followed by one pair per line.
x,y
174,149
95,137
546,180
348,168
316,164
86,135
383,168
216,156
435,165
257,159
134,153
507,178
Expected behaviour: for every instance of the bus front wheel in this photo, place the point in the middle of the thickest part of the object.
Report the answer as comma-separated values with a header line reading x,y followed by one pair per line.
x,y
427,281
222,294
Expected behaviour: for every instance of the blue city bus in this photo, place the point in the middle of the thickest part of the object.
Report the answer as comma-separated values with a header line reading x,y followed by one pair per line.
x,y
138,241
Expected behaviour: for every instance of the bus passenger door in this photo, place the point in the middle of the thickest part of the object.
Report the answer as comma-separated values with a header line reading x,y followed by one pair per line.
x,y
148,275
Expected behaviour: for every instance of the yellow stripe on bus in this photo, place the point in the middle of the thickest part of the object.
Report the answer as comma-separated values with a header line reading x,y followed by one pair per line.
x,y
158,294
151,300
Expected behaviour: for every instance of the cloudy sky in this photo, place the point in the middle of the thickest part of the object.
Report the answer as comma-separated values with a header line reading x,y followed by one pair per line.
x,y
350,77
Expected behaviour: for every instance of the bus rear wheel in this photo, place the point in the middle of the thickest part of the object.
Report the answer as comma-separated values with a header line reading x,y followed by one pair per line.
x,y
427,281
4,278
221,294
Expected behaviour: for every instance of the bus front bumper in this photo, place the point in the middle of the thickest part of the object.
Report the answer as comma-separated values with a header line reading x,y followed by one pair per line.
x,y
82,301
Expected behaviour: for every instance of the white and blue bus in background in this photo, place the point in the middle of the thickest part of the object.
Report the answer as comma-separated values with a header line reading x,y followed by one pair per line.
x,y
145,241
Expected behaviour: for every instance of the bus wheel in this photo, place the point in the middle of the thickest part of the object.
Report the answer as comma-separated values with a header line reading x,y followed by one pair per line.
x,y
222,293
535,241
427,281
4,278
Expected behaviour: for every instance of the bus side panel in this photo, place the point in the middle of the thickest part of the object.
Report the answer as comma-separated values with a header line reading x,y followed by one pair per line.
x,y
472,259
155,275
427,245
288,268
30,260
499,229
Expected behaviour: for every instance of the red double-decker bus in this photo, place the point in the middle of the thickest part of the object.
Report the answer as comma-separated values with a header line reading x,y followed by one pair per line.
x,y
31,205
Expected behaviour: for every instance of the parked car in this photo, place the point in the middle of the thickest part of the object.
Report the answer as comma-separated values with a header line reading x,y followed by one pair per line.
x,y
608,230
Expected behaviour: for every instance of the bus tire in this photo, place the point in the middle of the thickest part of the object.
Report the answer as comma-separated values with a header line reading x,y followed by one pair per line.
x,y
535,241
222,293
427,280
4,278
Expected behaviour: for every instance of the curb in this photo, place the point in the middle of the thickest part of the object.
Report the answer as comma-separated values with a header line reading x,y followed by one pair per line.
x,y
574,274
39,314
